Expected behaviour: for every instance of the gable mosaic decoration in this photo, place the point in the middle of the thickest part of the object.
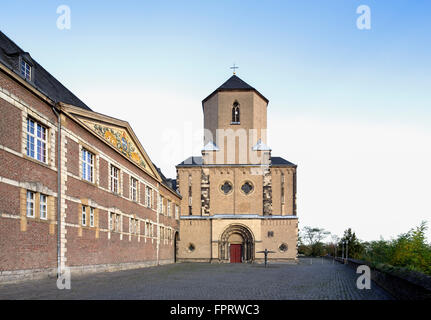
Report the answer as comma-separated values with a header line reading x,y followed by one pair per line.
x,y
121,141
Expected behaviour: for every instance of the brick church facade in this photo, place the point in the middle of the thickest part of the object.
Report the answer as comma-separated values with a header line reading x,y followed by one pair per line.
x,y
237,199
77,188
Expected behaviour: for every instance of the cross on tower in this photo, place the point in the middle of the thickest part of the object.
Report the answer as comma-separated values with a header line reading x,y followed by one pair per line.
x,y
234,67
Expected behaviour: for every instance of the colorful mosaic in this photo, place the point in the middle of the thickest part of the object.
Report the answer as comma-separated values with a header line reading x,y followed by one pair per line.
x,y
121,140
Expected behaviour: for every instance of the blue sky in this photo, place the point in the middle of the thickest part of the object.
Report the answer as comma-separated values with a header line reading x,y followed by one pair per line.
x,y
367,92
307,56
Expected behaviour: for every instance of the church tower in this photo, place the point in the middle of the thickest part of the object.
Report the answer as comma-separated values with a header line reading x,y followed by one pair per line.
x,y
235,125
237,199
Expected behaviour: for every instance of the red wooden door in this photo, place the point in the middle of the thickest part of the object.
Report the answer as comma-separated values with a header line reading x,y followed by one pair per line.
x,y
235,253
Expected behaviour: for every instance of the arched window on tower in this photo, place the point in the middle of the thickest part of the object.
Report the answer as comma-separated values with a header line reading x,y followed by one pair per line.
x,y
235,113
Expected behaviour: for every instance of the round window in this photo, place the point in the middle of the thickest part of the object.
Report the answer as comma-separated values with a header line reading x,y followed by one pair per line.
x,y
283,247
247,187
226,187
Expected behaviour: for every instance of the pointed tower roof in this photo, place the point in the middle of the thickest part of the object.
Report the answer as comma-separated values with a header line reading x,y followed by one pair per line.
x,y
234,83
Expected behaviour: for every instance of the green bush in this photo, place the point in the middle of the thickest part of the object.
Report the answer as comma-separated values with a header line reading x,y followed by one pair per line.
x,y
409,250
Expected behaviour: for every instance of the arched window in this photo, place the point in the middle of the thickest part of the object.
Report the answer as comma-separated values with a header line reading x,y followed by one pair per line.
x,y
235,113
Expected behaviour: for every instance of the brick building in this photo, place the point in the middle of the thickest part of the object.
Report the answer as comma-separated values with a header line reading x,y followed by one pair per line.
x,y
77,188
237,199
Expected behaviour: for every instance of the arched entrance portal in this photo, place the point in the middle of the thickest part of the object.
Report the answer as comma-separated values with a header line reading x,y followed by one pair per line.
x,y
236,244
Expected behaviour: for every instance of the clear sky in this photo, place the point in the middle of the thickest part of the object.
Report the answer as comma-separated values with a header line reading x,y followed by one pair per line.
x,y
351,107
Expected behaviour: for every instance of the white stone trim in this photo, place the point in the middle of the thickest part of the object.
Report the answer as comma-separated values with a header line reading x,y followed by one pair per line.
x,y
239,216
31,186
16,153
110,160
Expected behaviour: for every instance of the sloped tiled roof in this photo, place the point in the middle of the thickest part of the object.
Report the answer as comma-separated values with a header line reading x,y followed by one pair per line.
x,y
191,161
198,161
279,161
42,80
167,182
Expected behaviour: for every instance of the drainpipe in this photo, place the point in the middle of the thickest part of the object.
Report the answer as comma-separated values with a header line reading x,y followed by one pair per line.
x,y
59,271
211,240
158,228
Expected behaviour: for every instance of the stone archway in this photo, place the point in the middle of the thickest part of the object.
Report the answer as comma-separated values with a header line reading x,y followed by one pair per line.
x,y
237,231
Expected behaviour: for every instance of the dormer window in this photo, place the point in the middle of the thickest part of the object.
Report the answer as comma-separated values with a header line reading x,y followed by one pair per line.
x,y
235,113
25,69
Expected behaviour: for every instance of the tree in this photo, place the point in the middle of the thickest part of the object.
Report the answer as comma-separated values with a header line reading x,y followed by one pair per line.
x,y
411,250
313,240
354,246
314,235
332,245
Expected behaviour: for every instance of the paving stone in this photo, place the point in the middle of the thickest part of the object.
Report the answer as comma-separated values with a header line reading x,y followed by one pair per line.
x,y
319,280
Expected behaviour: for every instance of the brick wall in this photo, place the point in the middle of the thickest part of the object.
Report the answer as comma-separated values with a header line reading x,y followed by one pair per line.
x,y
31,243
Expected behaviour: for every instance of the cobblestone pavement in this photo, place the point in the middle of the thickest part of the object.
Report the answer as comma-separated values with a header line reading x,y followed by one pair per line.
x,y
310,279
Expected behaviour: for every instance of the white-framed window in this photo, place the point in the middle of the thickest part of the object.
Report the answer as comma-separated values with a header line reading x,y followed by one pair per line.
x,y
36,140
42,206
91,217
87,165
111,221
133,189
133,225
30,204
159,203
115,173
117,223
177,212
148,197
25,70
84,216
169,208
